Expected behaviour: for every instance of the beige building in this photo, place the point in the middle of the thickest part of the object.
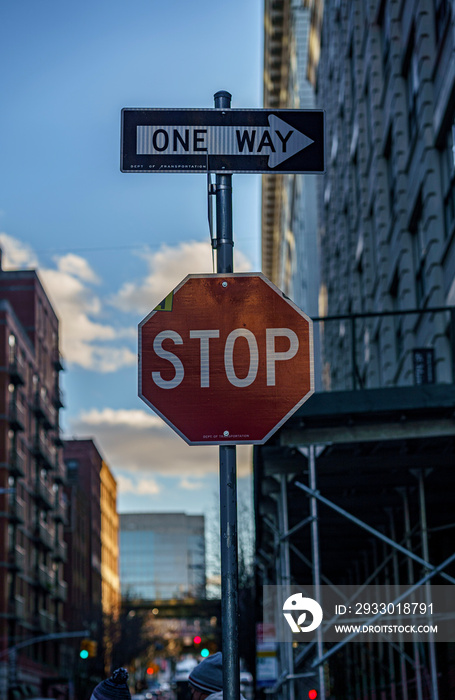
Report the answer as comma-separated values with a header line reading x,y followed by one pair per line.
x,y
110,581
93,545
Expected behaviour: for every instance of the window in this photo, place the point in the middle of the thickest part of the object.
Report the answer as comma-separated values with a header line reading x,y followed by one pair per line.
x,y
12,348
397,319
441,14
388,154
448,180
374,241
411,75
418,253
352,79
385,40
369,120
361,284
72,466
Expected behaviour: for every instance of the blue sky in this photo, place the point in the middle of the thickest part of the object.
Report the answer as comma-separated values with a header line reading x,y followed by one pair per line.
x,y
108,245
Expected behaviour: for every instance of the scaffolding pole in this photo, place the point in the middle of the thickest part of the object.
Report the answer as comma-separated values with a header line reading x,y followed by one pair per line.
x,y
426,555
316,560
396,577
368,528
286,580
407,529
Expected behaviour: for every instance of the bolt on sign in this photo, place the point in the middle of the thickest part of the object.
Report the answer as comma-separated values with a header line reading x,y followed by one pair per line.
x,y
225,359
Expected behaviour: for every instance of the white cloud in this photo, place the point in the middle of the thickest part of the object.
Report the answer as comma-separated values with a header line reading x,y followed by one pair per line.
x,y
76,266
142,487
134,419
190,485
16,255
166,268
84,341
139,443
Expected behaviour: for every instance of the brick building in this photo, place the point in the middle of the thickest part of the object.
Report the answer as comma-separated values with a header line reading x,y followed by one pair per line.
x,y
58,535
32,475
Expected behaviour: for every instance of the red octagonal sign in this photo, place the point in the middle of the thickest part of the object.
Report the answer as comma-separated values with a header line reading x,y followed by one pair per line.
x,y
225,359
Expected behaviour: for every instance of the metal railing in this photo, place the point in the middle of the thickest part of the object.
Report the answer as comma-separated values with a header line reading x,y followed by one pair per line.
x,y
391,348
16,414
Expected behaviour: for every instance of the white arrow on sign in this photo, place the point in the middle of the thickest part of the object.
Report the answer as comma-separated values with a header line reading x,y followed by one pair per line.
x,y
279,140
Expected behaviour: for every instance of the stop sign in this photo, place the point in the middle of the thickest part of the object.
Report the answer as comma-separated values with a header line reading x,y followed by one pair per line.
x,y
225,359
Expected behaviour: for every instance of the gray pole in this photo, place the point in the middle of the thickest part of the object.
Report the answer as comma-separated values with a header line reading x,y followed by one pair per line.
x,y
228,466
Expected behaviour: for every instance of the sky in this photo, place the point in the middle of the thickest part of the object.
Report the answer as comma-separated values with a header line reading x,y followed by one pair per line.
x,y
108,246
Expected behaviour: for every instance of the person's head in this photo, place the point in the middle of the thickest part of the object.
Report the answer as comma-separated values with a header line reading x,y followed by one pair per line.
x,y
114,688
207,677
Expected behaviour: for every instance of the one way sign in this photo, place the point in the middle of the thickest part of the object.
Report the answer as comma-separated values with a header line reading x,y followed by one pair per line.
x,y
222,140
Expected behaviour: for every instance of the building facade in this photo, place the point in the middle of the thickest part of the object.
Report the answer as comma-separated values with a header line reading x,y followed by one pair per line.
x,y
33,507
290,251
386,79
162,556
289,221
58,516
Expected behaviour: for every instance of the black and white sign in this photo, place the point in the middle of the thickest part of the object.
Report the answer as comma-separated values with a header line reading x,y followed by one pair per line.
x,y
222,140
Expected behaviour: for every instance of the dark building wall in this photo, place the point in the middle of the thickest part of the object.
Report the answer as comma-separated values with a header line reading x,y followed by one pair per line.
x,y
386,81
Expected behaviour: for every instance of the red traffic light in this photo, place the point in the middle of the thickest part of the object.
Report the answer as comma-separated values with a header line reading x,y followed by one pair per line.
x,y
312,694
197,640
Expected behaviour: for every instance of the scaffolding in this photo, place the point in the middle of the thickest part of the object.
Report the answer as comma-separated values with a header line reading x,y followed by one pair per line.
x,y
357,489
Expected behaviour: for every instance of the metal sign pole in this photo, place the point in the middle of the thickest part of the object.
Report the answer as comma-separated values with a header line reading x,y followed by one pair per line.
x,y
228,467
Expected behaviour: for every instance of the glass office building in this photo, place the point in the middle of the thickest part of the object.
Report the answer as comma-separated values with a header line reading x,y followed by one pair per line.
x,y
162,555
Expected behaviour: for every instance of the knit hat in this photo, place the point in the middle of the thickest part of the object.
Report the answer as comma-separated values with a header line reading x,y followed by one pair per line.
x,y
114,687
208,675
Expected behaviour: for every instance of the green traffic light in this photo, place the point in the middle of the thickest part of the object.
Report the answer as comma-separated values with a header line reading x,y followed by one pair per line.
x,y
84,654
205,653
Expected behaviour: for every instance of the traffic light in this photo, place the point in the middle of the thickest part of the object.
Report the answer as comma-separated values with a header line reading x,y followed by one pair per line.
x,y
312,694
204,652
84,649
88,648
